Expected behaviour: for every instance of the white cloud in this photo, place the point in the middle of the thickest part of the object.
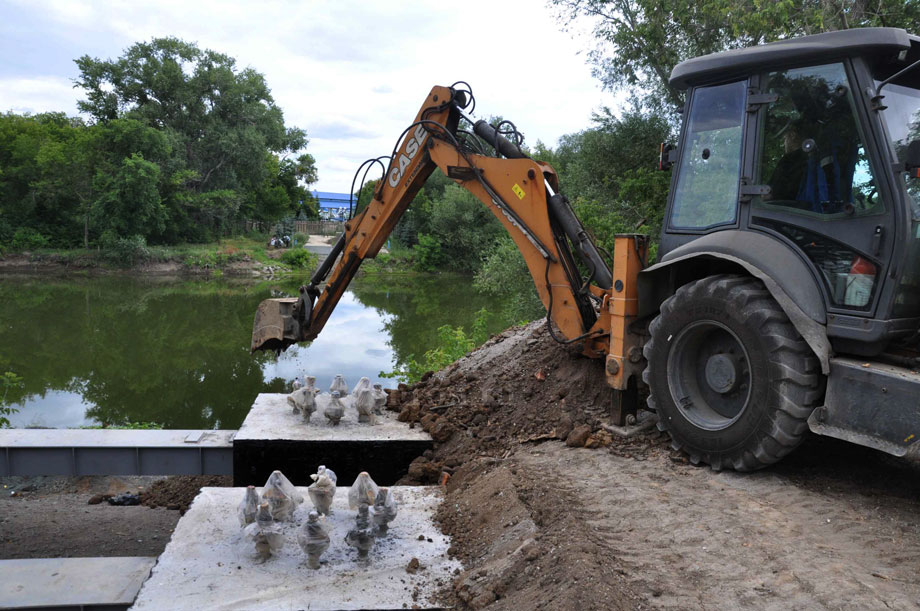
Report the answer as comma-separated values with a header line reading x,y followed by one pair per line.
x,y
353,73
38,94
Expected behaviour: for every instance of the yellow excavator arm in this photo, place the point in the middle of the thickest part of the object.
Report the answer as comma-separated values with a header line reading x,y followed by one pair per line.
x,y
520,192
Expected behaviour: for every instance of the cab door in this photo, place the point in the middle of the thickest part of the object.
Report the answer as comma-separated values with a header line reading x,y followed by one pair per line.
x,y
818,185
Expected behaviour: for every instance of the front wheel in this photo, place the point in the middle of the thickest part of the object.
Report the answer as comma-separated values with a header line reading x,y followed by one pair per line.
x,y
732,381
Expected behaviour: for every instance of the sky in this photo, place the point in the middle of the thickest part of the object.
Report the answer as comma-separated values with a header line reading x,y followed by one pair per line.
x,y
353,74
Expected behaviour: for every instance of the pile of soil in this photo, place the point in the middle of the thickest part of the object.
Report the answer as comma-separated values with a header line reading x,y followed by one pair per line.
x,y
178,492
519,387
521,542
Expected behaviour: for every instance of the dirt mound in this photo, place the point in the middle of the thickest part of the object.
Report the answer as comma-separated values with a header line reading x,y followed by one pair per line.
x,y
177,492
521,541
524,544
520,387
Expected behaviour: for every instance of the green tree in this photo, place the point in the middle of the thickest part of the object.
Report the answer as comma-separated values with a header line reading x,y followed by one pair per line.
x,y
129,201
638,42
464,227
217,120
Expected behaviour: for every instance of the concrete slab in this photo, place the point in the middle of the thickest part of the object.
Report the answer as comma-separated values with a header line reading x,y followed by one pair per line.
x,y
208,564
115,452
273,437
110,583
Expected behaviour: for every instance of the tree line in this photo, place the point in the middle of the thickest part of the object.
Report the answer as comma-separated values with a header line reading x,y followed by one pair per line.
x,y
177,145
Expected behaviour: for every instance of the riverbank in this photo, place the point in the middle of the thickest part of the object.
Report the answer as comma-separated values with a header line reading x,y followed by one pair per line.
x,y
238,256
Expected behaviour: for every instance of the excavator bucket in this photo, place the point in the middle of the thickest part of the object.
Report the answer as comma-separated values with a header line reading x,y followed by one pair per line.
x,y
276,326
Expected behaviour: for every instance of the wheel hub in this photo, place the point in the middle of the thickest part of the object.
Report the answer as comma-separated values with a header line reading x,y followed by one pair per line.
x,y
721,373
709,374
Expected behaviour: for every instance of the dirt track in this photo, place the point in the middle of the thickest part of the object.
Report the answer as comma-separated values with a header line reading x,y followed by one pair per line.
x,y
632,525
686,537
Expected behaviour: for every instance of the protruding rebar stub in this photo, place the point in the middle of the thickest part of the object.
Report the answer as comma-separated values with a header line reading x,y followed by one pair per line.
x,y
339,385
384,510
249,506
364,404
361,537
335,411
313,539
380,399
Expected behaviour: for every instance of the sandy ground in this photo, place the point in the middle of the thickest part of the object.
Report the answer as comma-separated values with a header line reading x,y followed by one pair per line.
x,y
542,524
49,517
52,517
688,538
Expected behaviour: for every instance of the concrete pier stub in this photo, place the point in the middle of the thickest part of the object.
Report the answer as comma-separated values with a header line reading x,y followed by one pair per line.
x,y
272,437
209,563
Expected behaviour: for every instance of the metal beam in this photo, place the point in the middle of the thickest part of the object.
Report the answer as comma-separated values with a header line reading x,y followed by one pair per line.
x,y
77,452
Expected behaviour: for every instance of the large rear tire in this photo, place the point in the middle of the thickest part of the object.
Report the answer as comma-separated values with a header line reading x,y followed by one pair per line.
x,y
732,381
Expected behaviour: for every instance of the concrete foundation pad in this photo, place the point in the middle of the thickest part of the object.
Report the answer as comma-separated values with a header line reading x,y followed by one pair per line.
x,y
61,583
273,437
209,564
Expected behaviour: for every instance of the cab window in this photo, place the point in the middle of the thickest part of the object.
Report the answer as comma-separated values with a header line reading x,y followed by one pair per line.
x,y
709,174
812,154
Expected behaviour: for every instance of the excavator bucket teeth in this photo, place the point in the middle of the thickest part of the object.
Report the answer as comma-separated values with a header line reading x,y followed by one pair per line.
x,y
275,326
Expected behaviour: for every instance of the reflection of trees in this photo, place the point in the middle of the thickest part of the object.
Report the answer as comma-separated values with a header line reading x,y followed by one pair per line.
x,y
176,354
415,306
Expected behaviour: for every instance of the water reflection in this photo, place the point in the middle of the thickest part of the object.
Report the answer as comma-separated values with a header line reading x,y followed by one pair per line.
x,y
110,350
353,342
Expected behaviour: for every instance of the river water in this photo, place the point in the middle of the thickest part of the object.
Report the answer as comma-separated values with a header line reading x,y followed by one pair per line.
x,y
110,350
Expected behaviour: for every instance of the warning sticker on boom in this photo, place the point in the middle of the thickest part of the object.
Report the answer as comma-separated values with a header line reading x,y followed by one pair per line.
x,y
518,191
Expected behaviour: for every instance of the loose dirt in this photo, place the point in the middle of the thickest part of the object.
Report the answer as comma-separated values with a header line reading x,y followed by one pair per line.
x,y
51,517
544,523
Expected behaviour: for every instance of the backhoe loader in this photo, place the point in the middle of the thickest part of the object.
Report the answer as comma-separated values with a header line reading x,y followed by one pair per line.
x,y
786,296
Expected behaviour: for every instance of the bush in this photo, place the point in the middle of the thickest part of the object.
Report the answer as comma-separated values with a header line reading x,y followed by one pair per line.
x,y
124,251
299,258
504,274
8,382
453,343
428,255
301,238
27,238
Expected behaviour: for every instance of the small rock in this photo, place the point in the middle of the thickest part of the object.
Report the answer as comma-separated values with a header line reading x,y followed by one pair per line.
x,y
599,439
564,427
95,499
483,600
441,431
409,412
424,471
413,566
578,436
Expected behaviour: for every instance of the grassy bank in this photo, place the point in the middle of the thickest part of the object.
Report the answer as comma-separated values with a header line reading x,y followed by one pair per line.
x,y
241,254
398,259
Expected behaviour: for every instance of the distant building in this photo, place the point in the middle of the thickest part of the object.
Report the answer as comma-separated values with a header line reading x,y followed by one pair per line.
x,y
332,206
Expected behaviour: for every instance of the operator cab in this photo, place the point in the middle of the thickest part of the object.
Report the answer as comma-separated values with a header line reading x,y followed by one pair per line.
x,y
792,141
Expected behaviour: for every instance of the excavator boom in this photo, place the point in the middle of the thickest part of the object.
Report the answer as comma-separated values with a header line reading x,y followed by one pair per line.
x,y
520,192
